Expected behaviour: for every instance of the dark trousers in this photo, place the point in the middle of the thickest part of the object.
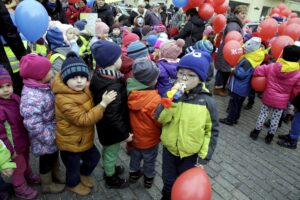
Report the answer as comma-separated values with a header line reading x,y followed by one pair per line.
x,y
221,78
5,189
251,97
173,166
235,106
47,162
74,166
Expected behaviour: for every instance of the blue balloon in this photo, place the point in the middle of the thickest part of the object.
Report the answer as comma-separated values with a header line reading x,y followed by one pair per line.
x,y
90,3
180,3
32,19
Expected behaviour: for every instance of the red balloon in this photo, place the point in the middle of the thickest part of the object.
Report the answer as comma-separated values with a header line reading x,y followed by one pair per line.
x,y
206,11
285,13
294,21
279,43
293,15
281,6
275,10
292,30
234,35
193,4
221,9
218,2
259,83
232,52
282,27
191,185
219,23
268,29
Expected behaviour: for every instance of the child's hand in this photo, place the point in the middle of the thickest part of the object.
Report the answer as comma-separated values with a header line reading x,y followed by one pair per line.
x,y
8,172
129,139
14,155
107,98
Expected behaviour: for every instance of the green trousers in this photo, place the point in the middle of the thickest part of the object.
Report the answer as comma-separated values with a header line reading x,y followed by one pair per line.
x,y
109,158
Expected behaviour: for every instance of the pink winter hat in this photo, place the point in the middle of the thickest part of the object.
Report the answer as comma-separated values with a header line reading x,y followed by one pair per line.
x,y
101,28
171,49
128,38
33,66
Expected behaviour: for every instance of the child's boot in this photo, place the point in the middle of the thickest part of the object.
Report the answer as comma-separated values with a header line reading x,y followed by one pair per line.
x,y
58,175
166,196
254,134
148,182
116,182
134,176
269,138
288,142
48,186
80,189
25,192
87,181
6,189
32,177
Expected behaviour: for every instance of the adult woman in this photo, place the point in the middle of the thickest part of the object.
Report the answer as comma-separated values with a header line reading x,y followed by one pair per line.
x,y
104,12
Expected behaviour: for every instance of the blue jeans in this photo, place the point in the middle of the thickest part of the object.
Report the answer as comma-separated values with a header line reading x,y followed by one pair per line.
x,y
74,166
173,166
148,156
295,127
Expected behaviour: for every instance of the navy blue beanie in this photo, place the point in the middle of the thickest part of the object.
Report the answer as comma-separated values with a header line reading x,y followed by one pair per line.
x,y
73,66
197,61
105,53
55,38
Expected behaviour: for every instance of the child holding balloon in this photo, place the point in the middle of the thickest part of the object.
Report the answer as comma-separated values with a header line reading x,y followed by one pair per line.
x,y
188,140
282,77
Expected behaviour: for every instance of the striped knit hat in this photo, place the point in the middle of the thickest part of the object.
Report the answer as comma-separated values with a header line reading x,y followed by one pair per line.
x,y
73,66
204,45
136,50
4,76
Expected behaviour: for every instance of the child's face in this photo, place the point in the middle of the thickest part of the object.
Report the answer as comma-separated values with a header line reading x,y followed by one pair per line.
x,y
6,90
47,78
188,77
77,83
116,31
72,34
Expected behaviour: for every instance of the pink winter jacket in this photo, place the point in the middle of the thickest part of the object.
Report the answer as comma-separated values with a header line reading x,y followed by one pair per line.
x,y
280,84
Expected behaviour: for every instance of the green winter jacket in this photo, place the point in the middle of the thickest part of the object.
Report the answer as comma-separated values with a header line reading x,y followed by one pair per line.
x,y
5,158
191,125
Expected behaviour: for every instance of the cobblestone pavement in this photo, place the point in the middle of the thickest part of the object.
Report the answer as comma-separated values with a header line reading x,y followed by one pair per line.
x,y
241,168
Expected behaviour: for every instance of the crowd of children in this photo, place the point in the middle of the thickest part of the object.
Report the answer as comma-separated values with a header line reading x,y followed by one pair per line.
x,y
115,81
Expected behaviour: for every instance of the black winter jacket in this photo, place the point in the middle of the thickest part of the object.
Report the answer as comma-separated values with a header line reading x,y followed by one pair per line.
x,y
105,13
114,127
56,14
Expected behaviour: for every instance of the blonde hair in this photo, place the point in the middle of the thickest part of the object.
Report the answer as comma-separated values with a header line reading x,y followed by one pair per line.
x,y
240,8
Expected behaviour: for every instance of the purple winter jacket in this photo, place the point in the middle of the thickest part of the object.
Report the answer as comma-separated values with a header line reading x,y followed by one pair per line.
x,y
280,85
167,76
11,125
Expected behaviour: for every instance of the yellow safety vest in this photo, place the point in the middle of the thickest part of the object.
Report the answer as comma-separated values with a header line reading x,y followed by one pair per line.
x,y
13,61
55,56
85,47
40,49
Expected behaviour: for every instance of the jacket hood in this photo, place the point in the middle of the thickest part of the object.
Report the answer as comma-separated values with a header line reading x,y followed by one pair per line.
x,y
58,87
256,57
133,84
233,18
138,99
197,21
287,66
170,67
277,67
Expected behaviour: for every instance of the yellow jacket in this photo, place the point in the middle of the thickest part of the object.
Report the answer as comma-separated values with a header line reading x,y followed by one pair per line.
x,y
75,117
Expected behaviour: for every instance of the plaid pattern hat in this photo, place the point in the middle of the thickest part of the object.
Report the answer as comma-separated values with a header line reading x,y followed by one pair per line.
x,y
73,66
136,50
4,76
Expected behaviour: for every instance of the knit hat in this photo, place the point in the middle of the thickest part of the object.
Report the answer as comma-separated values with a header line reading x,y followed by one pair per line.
x,y
189,49
136,50
105,53
204,45
55,38
128,37
151,39
291,53
80,24
101,28
198,62
4,76
73,66
145,71
172,49
253,44
34,66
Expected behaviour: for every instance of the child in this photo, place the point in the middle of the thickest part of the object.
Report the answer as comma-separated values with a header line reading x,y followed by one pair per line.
x,y
7,168
15,137
115,34
102,30
281,77
115,126
75,117
143,100
239,84
193,140
37,108
169,52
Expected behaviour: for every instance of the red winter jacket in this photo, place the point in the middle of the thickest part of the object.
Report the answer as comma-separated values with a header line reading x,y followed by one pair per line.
x,y
72,14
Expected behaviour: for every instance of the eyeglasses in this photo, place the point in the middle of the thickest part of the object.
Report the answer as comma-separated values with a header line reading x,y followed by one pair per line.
x,y
187,76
